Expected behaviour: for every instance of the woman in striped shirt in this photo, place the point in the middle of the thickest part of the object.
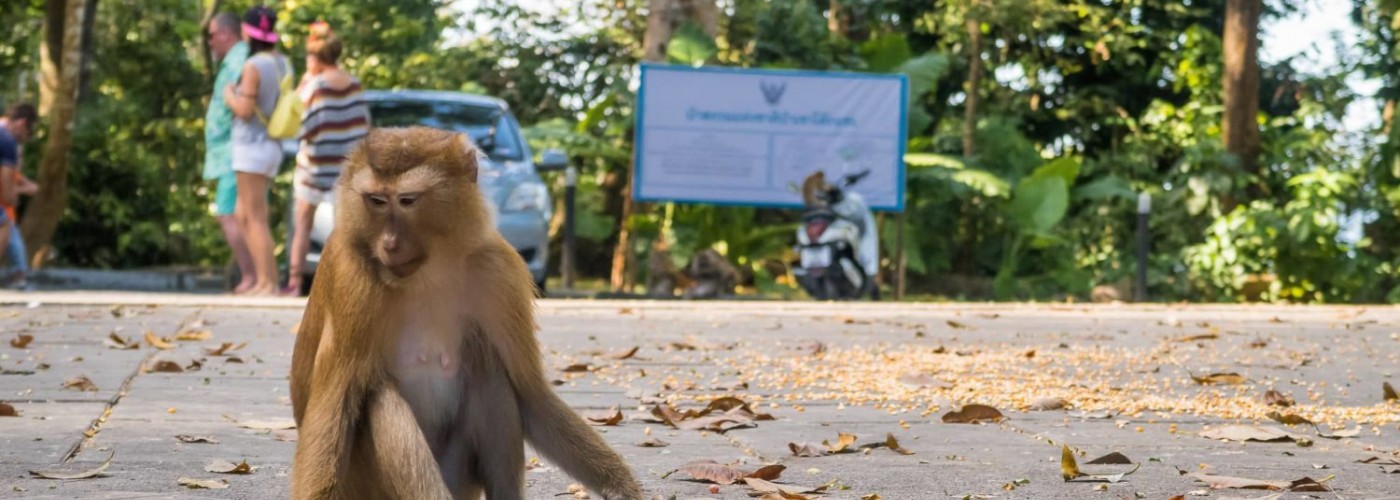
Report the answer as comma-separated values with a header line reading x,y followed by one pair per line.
x,y
334,118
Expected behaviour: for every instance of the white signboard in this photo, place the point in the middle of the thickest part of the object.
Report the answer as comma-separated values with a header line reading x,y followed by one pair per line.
x,y
749,137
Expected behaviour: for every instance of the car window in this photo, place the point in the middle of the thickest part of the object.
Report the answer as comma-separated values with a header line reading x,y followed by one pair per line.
x,y
475,121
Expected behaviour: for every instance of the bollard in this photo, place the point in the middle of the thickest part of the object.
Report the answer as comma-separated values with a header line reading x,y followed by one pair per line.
x,y
1140,284
566,264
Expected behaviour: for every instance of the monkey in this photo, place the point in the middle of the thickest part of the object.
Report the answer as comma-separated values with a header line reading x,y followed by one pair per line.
x,y
416,373
711,274
814,189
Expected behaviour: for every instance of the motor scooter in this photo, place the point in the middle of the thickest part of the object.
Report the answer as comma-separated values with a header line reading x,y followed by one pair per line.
x,y
836,241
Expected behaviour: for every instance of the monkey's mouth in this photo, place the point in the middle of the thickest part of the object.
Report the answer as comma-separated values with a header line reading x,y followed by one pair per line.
x,y
406,268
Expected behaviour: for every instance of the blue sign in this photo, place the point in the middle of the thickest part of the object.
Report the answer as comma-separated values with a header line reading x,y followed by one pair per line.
x,y
732,136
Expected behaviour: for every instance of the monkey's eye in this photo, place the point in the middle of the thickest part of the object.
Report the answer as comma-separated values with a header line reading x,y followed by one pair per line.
x,y
376,200
408,200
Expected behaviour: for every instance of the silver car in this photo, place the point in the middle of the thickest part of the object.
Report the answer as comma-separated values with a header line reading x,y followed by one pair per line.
x,y
510,178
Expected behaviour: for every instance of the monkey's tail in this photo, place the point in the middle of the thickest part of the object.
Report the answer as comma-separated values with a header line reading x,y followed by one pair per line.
x,y
558,433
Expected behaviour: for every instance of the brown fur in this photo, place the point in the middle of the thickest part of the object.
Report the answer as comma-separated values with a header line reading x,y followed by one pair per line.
x,y
400,279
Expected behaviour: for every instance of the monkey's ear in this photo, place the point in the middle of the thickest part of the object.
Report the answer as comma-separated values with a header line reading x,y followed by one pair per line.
x,y
470,157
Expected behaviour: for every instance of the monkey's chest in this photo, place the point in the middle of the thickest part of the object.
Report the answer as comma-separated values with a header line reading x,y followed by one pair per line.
x,y
430,376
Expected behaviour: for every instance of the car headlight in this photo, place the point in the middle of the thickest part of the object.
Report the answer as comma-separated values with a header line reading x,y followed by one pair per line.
x,y
528,196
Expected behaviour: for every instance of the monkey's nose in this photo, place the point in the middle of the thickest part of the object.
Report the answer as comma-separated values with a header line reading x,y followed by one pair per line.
x,y
389,243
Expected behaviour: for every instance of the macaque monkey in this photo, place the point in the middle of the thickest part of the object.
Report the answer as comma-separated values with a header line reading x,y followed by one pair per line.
x,y
814,190
416,373
712,275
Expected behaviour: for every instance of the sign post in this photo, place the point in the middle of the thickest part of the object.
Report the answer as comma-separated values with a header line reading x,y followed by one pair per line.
x,y
748,137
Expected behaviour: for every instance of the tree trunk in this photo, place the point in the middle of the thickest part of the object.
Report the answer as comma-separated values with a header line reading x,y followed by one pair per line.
x,y
1240,129
703,12
974,82
653,50
662,20
658,30
48,205
50,54
836,20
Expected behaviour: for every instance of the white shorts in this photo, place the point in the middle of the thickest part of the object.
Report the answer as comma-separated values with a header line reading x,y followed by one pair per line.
x,y
262,158
308,191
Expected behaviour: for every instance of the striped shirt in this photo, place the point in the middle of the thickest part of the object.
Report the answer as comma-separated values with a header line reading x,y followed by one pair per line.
x,y
332,122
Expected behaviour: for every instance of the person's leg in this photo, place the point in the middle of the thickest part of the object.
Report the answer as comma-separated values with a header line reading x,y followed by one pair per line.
x,y
252,214
18,254
303,218
225,200
6,226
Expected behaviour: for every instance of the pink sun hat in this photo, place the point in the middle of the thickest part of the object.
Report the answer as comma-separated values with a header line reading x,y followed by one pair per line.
x,y
259,24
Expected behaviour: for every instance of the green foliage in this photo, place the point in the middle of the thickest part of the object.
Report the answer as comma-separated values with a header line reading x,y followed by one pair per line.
x,y
1296,243
690,45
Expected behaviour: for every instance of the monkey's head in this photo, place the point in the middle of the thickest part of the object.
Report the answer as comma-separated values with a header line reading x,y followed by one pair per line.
x,y
408,195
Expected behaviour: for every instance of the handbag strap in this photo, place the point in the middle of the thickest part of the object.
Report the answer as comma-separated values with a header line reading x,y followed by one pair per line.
x,y
286,73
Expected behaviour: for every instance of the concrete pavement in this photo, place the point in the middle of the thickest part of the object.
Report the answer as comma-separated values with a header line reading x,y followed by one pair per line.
x,y
819,369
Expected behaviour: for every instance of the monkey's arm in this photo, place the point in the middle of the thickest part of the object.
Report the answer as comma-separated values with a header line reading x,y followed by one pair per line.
x,y
326,432
550,425
313,323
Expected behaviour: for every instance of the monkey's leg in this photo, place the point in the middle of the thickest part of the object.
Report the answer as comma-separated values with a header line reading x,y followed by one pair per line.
x,y
400,455
493,418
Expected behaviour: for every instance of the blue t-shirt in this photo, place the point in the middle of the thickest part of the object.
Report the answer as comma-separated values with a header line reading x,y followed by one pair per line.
x,y
9,149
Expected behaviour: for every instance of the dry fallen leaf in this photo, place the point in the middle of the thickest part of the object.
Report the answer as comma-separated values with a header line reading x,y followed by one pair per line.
x,y
1230,378
609,418
806,450
210,484
194,335
1288,418
973,413
224,348
842,445
21,341
894,446
7,410
1388,392
653,443
80,383
1204,336
710,471
157,342
166,366
93,472
626,354
1114,458
1223,482
767,472
226,467
765,489
118,342
1069,470
1275,398
186,438
576,368
957,325
1247,433
1379,461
